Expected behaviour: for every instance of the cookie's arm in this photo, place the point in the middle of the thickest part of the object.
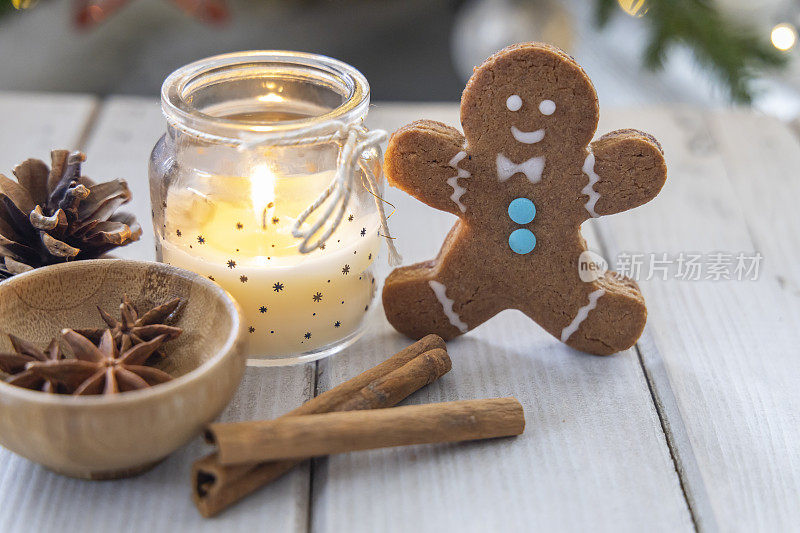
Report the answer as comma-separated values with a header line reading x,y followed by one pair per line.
x,y
424,159
625,169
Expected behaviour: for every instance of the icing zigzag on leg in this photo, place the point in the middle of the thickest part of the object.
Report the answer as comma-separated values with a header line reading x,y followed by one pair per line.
x,y
447,305
583,312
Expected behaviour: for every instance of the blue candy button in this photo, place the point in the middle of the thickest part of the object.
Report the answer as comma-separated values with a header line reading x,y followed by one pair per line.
x,y
522,241
522,211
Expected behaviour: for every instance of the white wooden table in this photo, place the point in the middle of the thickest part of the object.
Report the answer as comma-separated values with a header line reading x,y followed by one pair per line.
x,y
697,427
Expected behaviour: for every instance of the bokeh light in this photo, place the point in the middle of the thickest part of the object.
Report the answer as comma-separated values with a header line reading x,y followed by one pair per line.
x,y
634,8
783,36
23,4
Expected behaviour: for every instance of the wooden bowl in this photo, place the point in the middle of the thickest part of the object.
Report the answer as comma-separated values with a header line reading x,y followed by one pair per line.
x,y
104,437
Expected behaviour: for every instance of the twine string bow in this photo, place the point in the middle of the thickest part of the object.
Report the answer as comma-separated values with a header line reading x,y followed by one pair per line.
x,y
354,140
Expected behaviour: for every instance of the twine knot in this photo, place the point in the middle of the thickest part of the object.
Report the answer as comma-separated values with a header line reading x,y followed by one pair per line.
x,y
354,140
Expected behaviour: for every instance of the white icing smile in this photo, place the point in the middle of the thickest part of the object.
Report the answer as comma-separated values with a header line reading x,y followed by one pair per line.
x,y
527,137
532,168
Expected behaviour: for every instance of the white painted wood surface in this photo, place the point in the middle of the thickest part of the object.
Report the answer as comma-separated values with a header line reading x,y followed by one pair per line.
x,y
31,124
719,358
729,349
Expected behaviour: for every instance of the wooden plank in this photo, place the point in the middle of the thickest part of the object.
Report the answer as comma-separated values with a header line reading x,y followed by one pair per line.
x,y
127,128
34,123
762,169
593,456
727,348
35,499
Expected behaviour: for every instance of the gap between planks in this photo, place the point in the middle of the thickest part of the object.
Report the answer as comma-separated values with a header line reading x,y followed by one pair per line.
x,y
724,350
666,406
89,125
312,467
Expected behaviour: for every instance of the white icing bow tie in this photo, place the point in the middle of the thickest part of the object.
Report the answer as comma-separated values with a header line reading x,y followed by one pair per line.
x,y
532,168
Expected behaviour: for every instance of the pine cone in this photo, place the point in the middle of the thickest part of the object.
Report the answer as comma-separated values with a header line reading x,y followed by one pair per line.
x,y
55,215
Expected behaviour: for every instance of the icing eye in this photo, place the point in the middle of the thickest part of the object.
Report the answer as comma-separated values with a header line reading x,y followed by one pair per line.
x,y
547,107
514,102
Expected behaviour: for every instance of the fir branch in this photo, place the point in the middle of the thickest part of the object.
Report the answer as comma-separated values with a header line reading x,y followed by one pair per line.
x,y
734,51
604,10
5,6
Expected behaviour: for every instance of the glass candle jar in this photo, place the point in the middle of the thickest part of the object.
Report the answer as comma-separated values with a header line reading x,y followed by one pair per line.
x,y
253,140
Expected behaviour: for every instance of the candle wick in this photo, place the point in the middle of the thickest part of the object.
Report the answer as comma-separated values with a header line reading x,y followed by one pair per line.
x,y
264,219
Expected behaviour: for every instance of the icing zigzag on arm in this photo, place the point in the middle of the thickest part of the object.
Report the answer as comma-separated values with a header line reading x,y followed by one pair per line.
x,y
594,196
458,190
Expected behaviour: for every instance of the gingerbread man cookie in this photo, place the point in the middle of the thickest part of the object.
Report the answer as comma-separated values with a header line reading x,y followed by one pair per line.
x,y
522,179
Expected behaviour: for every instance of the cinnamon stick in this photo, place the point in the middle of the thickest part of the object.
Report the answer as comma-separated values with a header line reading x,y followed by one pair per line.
x,y
395,386
216,487
329,433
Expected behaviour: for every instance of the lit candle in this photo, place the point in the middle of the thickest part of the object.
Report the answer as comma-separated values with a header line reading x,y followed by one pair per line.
x,y
237,231
267,181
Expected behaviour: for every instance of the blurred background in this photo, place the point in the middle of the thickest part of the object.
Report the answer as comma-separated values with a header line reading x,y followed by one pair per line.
x,y
637,52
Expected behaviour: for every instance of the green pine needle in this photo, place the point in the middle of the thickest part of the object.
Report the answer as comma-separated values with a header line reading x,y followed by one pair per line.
x,y
734,51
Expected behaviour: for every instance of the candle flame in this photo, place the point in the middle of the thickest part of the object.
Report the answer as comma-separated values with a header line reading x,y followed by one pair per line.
x,y
262,193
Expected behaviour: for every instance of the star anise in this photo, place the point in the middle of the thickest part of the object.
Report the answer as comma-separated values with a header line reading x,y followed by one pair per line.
x,y
133,329
102,369
24,353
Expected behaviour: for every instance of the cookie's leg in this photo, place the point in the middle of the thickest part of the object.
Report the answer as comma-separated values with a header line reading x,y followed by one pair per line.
x,y
610,318
446,296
